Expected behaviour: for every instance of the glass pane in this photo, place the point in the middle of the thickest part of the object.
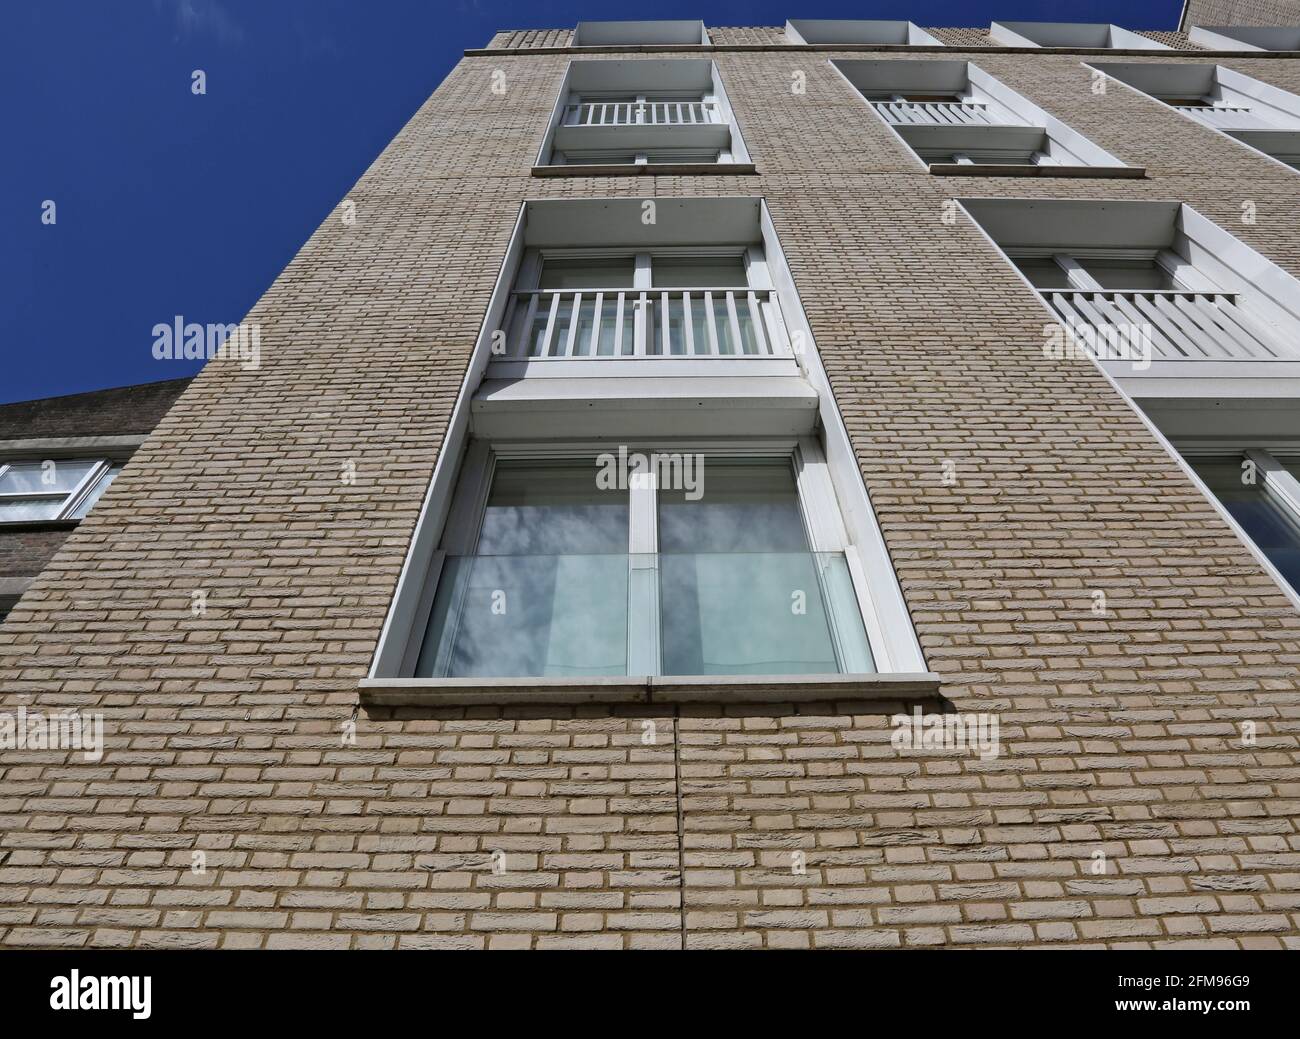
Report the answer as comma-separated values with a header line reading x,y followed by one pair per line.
x,y
586,322
748,340
21,511
535,616
722,324
676,326
53,477
538,345
101,485
762,613
730,506
1128,274
1043,272
537,334
540,508
685,272
1269,525
614,272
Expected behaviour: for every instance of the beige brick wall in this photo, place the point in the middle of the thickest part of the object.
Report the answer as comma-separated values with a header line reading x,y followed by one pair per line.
x,y
1120,733
1241,12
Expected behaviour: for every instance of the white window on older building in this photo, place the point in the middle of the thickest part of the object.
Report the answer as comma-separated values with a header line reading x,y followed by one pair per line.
x,y
52,489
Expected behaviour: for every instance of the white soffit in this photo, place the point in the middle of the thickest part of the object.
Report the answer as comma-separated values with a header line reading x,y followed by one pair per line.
x,y
1247,37
855,31
624,222
632,34
1074,223
1069,34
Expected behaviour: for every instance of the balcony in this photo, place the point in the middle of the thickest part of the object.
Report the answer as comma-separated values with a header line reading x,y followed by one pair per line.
x,y
936,113
1176,309
961,121
1155,325
1256,114
616,324
643,113
1223,117
620,116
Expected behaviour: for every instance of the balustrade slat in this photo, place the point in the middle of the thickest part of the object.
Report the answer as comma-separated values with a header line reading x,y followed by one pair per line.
x,y
1232,316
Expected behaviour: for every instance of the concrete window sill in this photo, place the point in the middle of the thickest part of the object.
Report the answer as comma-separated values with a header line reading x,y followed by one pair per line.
x,y
956,169
647,169
641,689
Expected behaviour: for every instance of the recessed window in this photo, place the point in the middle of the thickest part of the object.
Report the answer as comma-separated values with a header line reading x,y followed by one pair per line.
x,y
646,486
642,112
1264,514
1256,114
53,489
953,113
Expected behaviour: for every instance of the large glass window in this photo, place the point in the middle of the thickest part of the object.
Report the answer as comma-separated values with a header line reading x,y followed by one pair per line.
x,y
660,563
740,590
1266,517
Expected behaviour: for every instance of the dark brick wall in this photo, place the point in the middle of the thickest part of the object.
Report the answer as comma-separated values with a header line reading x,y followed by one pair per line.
x,y
116,411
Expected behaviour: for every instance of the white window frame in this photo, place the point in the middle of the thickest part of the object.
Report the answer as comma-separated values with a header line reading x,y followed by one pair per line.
x,y
72,500
823,526
1273,100
731,152
1060,144
899,661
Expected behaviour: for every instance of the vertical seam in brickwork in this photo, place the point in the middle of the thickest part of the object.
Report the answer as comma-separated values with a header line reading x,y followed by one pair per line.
x,y
681,824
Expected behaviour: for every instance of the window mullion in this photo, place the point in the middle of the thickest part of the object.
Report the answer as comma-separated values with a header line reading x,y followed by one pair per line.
x,y
643,573
73,501
1078,277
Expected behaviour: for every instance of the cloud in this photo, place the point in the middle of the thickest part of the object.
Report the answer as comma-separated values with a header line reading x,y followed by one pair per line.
x,y
202,18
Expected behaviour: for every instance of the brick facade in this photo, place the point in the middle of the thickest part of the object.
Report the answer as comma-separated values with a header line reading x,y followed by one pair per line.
x,y
770,825
1241,12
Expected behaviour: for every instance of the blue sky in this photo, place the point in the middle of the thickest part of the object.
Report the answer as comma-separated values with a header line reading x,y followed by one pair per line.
x,y
170,203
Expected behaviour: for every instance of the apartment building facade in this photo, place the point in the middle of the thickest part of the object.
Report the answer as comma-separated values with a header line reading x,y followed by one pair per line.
x,y
820,486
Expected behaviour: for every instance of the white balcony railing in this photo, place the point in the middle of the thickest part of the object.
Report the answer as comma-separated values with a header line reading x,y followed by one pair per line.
x,y
642,113
1224,117
1167,325
935,113
634,323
